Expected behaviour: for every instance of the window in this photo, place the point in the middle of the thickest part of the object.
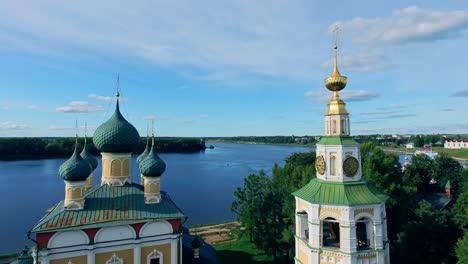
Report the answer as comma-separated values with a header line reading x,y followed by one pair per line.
x,y
330,233
155,257
363,234
115,260
334,126
303,225
343,126
332,165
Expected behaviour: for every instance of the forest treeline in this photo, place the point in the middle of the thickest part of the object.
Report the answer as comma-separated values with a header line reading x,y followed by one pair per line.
x,y
37,148
418,232
306,140
381,140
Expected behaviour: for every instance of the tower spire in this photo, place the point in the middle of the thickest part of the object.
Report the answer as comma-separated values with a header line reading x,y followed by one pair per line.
x,y
335,82
118,86
152,132
335,52
76,133
85,132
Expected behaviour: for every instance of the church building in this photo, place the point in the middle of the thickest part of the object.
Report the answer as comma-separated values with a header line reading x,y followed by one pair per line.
x,y
340,219
117,221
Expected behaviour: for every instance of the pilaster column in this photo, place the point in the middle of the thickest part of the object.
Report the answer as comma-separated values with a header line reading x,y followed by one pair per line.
x,y
137,254
90,257
174,251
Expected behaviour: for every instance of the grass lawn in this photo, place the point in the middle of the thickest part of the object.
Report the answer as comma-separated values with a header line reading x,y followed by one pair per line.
x,y
241,251
457,153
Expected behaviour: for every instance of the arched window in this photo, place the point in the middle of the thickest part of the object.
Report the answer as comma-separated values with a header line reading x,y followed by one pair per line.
x,y
115,260
332,165
126,167
303,225
363,234
328,127
334,126
330,232
116,168
343,126
155,257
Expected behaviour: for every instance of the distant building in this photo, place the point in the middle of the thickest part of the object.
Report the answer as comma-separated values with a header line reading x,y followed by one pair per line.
x,y
410,145
456,144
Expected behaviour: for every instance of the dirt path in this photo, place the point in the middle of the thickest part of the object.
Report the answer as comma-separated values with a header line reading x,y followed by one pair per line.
x,y
213,234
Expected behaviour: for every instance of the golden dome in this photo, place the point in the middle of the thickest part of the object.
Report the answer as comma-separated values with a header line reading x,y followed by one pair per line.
x,y
336,106
335,82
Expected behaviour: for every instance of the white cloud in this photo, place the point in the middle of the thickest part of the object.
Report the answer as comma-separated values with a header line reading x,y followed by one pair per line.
x,y
223,41
106,98
364,61
154,117
460,94
14,126
60,128
410,24
185,121
79,107
323,95
33,107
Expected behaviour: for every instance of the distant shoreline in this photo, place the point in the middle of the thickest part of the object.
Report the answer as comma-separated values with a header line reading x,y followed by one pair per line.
x,y
262,143
12,149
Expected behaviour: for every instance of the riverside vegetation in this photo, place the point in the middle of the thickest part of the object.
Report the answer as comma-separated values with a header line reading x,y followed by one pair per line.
x,y
43,148
418,232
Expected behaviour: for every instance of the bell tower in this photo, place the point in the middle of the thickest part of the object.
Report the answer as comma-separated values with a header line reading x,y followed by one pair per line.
x,y
339,218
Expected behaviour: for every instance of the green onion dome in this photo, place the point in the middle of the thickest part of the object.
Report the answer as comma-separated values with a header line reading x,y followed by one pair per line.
x,y
152,165
75,168
196,243
145,153
89,157
116,135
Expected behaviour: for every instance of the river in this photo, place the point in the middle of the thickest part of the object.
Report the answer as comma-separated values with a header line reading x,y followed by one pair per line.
x,y
202,185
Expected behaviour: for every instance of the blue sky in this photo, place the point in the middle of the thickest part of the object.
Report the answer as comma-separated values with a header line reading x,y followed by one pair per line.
x,y
228,68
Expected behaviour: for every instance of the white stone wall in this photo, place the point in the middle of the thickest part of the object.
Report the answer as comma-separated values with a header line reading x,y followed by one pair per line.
x,y
337,125
347,216
70,244
456,144
340,152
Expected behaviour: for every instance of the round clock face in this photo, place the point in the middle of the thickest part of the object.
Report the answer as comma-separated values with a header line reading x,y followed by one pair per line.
x,y
320,165
350,166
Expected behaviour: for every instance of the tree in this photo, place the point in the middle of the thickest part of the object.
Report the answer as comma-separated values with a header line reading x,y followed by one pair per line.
x,y
447,169
460,209
461,249
249,200
270,224
429,233
417,175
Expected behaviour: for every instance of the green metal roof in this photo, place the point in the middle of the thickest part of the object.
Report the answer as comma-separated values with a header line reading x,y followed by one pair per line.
x,y
337,141
340,193
438,200
116,135
24,258
75,168
109,206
